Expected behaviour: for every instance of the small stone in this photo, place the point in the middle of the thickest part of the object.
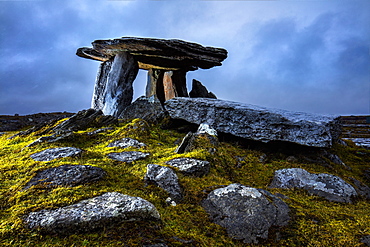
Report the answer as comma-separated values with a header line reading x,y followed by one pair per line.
x,y
127,142
96,213
66,175
165,178
291,159
55,153
190,166
129,156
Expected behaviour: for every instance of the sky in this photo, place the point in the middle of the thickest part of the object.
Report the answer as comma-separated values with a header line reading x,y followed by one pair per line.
x,y
307,56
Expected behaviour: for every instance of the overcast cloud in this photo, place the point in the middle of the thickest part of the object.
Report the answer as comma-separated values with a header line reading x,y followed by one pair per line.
x,y
308,56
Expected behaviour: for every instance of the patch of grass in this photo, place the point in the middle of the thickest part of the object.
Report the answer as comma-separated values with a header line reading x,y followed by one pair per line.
x,y
315,221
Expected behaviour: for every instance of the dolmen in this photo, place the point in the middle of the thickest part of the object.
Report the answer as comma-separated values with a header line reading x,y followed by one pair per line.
x,y
166,60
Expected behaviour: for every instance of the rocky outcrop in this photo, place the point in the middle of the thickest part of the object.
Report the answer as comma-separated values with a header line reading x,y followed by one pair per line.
x,y
166,179
96,213
324,185
200,91
190,166
247,213
55,153
127,142
129,156
257,123
66,175
148,108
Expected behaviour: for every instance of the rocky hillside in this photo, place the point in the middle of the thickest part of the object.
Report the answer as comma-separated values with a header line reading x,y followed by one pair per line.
x,y
97,181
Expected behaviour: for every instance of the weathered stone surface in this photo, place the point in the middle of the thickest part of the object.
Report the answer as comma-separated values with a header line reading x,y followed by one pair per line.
x,y
200,91
99,131
150,109
365,240
127,142
246,213
129,156
98,98
118,91
106,210
55,153
85,119
164,54
361,188
257,123
324,185
66,175
190,166
165,178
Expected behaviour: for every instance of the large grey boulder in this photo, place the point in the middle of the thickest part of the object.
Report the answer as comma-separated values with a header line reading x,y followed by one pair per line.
x,y
128,156
106,210
148,108
127,142
55,153
257,123
66,175
246,213
190,166
324,185
165,178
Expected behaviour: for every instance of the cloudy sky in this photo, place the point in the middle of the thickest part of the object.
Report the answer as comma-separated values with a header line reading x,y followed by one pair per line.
x,y
310,56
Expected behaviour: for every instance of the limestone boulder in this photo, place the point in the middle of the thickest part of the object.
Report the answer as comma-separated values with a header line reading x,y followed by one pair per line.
x,y
55,153
107,210
127,142
190,166
330,187
257,123
128,156
165,178
247,214
66,175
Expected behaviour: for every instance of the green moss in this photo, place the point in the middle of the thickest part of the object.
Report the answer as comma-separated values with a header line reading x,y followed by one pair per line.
x,y
315,221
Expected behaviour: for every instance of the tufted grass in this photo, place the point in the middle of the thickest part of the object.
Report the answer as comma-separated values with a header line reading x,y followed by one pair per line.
x,y
315,221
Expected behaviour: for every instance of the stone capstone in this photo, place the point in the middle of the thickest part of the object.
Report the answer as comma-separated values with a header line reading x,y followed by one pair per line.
x,y
129,156
55,153
66,175
96,213
165,178
148,108
190,166
126,142
257,123
200,91
247,213
324,185
166,54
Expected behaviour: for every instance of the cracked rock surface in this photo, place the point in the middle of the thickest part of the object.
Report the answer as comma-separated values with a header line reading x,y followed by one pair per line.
x,y
190,166
128,156
127,142
246,213
106,210
55,153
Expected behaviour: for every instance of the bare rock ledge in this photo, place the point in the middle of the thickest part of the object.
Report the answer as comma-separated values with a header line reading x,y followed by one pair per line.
x,y
257,123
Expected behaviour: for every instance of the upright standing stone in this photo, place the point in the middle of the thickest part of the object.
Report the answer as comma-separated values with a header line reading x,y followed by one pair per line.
x,y
100,85
155,76
118,91
168,85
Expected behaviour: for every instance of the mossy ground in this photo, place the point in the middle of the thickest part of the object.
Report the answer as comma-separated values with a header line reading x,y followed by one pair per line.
x,y
315,221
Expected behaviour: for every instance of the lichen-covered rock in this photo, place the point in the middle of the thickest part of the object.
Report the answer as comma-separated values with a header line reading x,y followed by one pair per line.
x,y
55,153
106,210
257,123
324,185
66,175
129,156
148,108
190,166
246,213
127,142
165,178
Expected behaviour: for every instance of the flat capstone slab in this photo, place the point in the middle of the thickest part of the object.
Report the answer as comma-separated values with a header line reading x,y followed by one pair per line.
x,y
106,210
55,153
128,156
190,166
127,142
66,175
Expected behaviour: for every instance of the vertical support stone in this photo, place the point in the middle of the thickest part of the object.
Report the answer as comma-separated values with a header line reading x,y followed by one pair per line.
x,y
179,80
155,76
168,86
100,83
118,91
